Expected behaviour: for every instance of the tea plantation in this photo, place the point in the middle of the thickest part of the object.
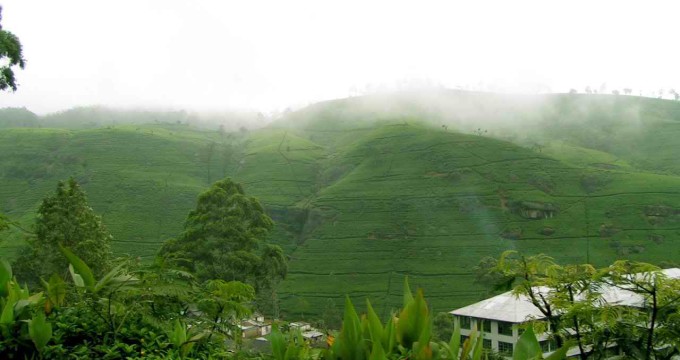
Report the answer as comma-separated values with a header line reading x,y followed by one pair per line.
x,y
367,192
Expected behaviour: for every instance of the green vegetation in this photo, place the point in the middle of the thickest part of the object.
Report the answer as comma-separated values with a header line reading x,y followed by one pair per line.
x,y
222,240
580,304
124,314
365,191
10,55
64,219
406,335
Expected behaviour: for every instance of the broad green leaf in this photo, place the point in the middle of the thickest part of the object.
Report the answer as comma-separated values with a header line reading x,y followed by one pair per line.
x,y
477,352
278,343
40,331
80,268
178,336
377,353
374,324
454,343
186,349
106,279
408,295
349,340
561,353
7,316
56,290
527,346
5,276
77,279
389,335
468,343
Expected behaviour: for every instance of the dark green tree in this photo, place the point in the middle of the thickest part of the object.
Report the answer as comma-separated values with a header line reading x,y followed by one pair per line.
x,y
66,219
443,326
10,49
222,239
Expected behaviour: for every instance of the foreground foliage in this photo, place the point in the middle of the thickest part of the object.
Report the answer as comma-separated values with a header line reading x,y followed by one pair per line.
x,y
407,334
65,218
11,54
223,238
581,303
123,314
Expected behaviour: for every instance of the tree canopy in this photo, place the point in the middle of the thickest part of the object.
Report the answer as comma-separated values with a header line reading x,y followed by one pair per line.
x,y
65,219
572,299
222,238
10,49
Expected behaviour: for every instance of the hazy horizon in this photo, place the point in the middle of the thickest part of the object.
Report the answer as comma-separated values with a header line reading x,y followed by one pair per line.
x,y
267,56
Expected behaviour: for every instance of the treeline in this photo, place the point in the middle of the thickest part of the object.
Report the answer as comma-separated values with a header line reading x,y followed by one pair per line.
x,y
88,117
67,296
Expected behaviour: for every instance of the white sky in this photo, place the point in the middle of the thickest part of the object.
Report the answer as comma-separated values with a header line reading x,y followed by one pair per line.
x,y
266,55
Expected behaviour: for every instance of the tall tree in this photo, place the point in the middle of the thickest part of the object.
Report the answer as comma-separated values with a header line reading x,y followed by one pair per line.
x,y
650,332
10,55
571,298
222,239
65,219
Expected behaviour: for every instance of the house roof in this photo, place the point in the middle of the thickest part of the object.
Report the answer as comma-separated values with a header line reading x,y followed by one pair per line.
x,y
517,309
504,307
312,334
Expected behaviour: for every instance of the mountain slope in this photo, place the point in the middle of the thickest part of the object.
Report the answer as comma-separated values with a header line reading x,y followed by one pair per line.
x,y
365,192
430,204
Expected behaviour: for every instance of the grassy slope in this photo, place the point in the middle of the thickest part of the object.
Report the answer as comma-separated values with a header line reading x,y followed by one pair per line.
x,y
359,203
429,204
142,179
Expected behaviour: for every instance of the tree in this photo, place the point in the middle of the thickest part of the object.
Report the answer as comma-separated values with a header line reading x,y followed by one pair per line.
x,y
443,325
11,50
65,219
525,275
572,301
222,238
649,331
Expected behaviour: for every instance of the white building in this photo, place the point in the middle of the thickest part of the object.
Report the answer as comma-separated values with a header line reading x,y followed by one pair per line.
x,y
255,327
501,317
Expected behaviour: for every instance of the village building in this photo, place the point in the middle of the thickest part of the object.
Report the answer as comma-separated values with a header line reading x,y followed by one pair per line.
x,y
300,325
255,327
503,317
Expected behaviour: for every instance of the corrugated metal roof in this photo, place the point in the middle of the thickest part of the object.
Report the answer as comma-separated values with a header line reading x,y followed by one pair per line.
x,y
518,309
503,307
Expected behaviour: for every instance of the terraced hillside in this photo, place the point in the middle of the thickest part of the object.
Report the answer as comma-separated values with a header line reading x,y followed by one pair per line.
x,y
365,192
142,179
430,203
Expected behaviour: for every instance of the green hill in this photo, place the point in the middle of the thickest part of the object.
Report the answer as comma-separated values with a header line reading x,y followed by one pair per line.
x,y
368,190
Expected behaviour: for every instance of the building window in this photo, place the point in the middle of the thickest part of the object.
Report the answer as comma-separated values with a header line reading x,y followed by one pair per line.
x,y
486,343
464,322
462,339
545,346
505,348
505,328
484,325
